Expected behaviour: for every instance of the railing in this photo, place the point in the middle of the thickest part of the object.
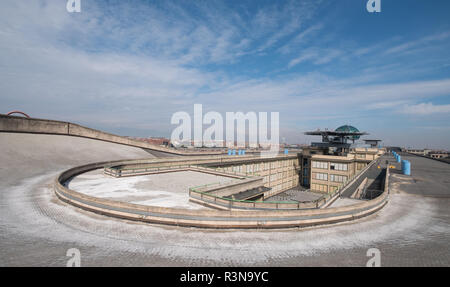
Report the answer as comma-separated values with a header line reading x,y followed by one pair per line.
x,y
347,183
212,218
230,203
119,172
203,194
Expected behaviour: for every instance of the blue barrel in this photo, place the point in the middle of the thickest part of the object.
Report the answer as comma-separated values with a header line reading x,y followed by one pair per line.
x,y
399,158
234,152
286,151
229,152
243,152
406,167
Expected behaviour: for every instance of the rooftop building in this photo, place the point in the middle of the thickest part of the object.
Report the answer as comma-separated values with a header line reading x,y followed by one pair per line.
x,y
327,165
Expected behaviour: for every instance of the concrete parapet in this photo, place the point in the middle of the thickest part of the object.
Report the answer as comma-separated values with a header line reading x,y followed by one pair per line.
x,y
28,125
43,126
359,190
233,187
212,218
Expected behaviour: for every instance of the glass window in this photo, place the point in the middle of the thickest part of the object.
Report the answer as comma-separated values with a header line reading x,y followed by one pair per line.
x,y
338,166
321,176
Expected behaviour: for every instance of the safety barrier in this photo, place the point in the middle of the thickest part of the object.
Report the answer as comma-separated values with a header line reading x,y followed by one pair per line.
x,y
43,126
211,218
213,196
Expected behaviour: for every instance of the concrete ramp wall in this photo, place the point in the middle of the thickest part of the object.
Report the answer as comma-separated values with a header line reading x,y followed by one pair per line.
x,y
213,218
43,126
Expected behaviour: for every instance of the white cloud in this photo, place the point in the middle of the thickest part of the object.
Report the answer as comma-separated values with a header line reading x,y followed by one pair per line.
x,y
137,64
306,56
424,109
417,44
316,55
300,38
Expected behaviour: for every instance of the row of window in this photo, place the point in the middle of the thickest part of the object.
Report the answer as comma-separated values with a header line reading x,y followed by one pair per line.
x,y
258,167
338,166
319,187
333,177
333,188
338,178
320,176
323,187
319,164
333,165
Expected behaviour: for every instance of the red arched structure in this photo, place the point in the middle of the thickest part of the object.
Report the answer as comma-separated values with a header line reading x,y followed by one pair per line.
x,y
18,112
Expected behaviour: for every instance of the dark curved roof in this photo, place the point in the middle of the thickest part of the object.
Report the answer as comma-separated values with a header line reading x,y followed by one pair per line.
x,y
348,129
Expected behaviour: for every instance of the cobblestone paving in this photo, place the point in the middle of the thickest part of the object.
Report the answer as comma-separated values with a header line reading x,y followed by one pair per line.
x,y
36,229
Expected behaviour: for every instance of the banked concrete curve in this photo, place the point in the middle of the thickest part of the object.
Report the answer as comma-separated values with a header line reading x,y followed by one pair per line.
x,y
17,124
211,218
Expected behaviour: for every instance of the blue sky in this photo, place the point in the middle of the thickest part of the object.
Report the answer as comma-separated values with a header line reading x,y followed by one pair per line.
x,y
127,66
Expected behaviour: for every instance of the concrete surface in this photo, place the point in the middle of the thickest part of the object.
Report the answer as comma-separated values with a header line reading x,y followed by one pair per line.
x,y
371,173
164,189
344,202
295,195
36,229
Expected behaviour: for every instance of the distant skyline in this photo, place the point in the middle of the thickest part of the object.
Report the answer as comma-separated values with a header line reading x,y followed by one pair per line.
x,y
126,66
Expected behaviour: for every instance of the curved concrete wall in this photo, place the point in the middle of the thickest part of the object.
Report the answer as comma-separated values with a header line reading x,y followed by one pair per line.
x,y
212,218
42,126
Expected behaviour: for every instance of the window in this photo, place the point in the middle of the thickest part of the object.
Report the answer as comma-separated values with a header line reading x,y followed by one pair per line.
x,y
320,176
319,187
319,164
338,166
338,178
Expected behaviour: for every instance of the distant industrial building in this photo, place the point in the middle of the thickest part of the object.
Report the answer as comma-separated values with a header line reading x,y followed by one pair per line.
x,y
437,154
155,140
373,143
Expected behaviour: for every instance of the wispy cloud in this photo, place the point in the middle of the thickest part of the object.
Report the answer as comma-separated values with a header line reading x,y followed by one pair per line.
x,y
306,56
140,63
300,38
417,44
317,56
425,109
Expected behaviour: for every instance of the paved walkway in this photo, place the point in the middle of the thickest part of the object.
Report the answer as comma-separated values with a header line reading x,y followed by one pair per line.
x,y
372,173
37,229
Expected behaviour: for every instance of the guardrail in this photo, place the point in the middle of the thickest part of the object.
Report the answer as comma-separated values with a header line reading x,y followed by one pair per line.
x,y
333,196
205,194
211,218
